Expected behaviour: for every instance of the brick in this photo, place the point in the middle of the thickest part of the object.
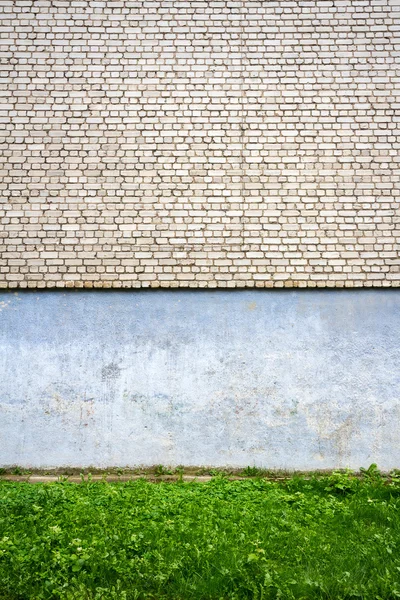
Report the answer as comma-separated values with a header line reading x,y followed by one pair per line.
x,y
236,144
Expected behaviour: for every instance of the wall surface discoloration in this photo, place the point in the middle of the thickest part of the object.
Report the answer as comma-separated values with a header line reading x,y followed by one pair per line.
x,y
297,380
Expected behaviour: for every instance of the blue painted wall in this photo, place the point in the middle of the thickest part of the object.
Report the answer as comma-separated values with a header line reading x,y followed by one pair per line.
x,y
279,379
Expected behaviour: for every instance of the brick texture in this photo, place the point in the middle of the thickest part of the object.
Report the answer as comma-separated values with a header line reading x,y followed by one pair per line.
x,y
197,143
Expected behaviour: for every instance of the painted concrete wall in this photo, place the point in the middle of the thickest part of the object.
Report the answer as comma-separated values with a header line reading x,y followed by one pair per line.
x,y
279,379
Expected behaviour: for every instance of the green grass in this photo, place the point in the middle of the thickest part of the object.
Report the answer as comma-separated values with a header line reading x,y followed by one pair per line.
x,y
335,537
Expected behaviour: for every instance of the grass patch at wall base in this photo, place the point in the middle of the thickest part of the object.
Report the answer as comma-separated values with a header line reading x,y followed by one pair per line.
x,y
333,537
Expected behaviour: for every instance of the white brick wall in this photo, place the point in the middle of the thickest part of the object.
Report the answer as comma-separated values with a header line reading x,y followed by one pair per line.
x,y
197,143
